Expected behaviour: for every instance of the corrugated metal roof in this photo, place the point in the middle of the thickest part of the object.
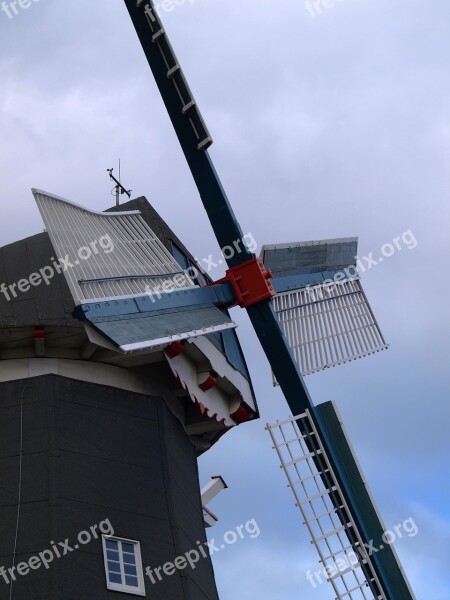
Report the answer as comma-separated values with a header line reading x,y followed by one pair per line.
x,y
108,254
321,304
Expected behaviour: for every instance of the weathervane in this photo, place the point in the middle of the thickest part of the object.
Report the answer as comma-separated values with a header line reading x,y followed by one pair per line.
x,y
119,189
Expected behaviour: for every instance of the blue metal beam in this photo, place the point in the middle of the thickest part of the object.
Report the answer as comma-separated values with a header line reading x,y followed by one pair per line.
x,y
285,283
218,295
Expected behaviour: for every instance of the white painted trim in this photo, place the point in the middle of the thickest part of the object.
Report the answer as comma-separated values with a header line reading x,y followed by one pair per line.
x,y
225,369
89,371
212,489
177,337
37,192
216,403
209,518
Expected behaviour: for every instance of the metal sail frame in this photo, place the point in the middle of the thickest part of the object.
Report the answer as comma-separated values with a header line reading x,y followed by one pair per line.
x,y
194,138
334,541
327,326
137,262
321,304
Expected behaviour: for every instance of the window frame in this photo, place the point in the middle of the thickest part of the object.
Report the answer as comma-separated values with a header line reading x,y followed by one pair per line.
x,y
202,279
123,587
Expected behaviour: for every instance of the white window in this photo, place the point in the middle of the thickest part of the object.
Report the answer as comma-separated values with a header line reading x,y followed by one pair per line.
x,y
123,565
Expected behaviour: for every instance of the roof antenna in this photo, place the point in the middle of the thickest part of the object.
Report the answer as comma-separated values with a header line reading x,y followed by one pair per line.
x,y
118,188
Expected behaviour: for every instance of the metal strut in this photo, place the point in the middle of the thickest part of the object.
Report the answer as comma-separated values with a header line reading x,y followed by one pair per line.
x,y
174,73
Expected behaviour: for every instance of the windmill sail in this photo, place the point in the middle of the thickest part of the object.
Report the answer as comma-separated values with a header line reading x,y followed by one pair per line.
x,y
321,303
117,270
351,543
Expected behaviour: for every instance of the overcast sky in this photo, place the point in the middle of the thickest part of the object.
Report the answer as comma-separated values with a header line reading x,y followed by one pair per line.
x,y
325,126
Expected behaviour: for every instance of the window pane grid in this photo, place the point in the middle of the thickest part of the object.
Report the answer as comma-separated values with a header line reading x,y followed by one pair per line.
x,y
123,566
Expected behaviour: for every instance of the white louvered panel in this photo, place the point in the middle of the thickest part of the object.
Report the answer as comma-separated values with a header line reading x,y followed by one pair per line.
x,y
330,525
326,327
139,257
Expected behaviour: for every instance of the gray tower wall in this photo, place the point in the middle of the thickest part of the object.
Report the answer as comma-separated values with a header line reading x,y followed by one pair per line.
x,y
90,453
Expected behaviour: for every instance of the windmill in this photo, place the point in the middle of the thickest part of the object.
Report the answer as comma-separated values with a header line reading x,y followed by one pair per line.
x,y
120,365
